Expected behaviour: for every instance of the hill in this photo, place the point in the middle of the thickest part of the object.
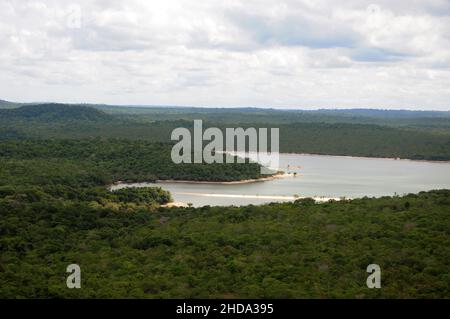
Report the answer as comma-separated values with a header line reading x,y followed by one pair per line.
x,y
8,105
55,112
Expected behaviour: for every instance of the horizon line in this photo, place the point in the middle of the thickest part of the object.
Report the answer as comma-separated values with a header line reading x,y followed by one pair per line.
x,y
337,108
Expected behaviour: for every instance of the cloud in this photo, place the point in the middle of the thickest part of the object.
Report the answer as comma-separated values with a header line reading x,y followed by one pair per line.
x,y
377,55
284,53
292,30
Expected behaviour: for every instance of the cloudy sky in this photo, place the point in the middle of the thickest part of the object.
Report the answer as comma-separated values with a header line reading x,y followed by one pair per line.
x,y
267,53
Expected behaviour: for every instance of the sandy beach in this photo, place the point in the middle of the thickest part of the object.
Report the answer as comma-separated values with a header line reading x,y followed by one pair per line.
x,y
274,197
318,199
175,204
244,181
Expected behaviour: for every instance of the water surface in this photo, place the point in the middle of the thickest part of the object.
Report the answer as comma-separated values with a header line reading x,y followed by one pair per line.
x,y
320,176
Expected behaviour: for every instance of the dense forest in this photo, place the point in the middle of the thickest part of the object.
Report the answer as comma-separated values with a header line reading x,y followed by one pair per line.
x,y
411,135
292,250
97,162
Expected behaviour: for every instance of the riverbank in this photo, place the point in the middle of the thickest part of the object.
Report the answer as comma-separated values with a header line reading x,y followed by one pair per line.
x,y
244,181
175,204
371,158
320,199
347,156
178,181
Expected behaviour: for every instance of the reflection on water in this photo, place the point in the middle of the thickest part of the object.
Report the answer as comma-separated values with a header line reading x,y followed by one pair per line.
x,y
320,176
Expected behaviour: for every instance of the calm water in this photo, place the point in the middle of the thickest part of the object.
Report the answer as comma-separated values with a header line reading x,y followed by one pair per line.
x,y
327,176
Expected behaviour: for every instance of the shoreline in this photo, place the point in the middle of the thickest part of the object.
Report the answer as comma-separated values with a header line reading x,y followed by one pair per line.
x,y
177,181
371,158
174,204
362,157
275,197
244,181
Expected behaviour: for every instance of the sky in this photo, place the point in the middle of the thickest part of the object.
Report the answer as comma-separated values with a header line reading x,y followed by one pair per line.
x,y
267,53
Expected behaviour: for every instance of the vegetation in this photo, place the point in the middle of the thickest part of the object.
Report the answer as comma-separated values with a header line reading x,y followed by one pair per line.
x,y
364,140
292,250
55,210
55,112
412,135
97,162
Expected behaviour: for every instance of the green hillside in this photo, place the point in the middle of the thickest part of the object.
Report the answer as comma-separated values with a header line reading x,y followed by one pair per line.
x,y
54,112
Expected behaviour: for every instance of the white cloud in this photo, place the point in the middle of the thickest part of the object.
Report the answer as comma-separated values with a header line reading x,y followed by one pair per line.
x,y
286,53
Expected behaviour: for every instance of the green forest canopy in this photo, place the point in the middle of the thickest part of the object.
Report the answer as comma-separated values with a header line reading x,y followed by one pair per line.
x,y
412,135
291,250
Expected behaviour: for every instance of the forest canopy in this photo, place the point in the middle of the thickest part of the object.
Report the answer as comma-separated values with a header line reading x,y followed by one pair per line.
x,y
291,250
370,133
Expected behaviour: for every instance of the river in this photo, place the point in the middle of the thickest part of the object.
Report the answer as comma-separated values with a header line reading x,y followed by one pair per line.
x,y
318,176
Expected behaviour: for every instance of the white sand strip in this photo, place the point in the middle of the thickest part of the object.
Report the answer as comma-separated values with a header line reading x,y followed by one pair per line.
x,y
275,197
